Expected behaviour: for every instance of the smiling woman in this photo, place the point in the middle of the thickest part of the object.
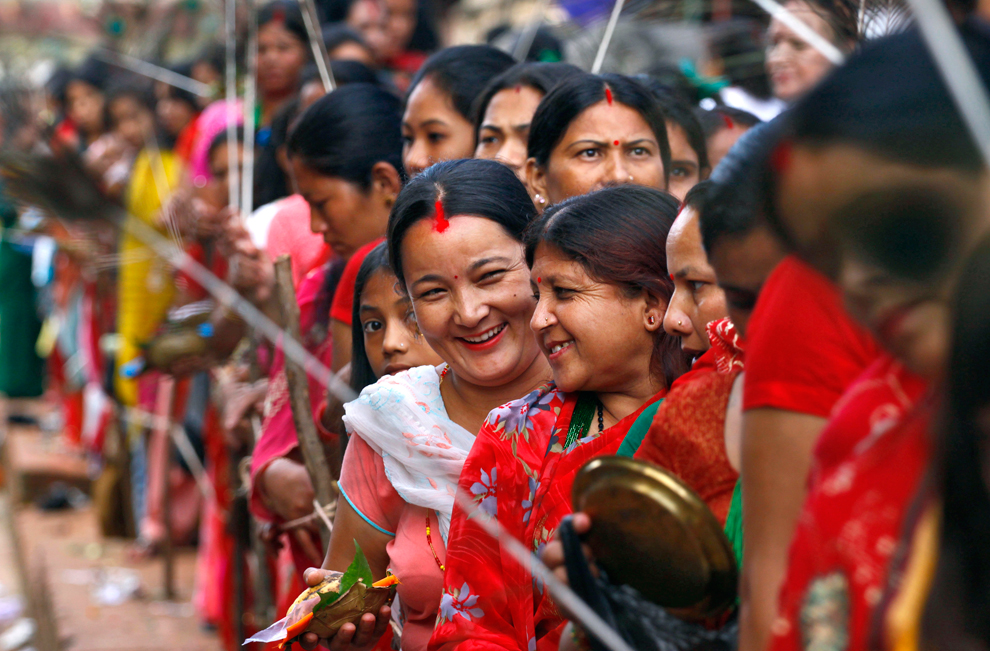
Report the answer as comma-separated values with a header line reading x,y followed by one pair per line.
x,y
598,271
454,240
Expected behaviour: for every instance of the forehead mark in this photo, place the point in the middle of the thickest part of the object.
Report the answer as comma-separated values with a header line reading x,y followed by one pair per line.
x,y
440,221
608,95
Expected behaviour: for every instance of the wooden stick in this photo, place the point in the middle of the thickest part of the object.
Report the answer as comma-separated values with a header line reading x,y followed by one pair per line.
x,y
168,552
302,413
121,430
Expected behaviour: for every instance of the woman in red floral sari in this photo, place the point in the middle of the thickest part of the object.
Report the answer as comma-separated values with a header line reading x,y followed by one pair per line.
x,y
598,267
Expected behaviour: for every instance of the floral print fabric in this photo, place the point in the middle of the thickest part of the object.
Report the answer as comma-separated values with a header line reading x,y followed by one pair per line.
x,y
519,472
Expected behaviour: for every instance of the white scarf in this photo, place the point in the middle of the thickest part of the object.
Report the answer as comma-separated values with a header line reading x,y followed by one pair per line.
x,y
403,418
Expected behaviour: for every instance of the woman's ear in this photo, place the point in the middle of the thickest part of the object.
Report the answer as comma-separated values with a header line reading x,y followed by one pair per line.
x,y
654,310
536,179
385,181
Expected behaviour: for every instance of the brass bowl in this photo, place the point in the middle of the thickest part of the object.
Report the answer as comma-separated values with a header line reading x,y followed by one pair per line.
x,y
349,607
652,532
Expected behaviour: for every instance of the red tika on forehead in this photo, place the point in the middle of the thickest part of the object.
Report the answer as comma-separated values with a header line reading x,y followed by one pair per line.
x,y
278,16
728,121
608,95
440,221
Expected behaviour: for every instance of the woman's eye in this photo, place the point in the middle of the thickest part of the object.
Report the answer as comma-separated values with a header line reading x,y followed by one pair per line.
x,y
696,285
680,172
430,293
492,275
436,137
588,153
372,326
562,292
489,140
407,141
640,151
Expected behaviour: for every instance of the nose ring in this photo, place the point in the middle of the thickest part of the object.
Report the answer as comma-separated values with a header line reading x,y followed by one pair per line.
x,y
679,323
546,319
630,177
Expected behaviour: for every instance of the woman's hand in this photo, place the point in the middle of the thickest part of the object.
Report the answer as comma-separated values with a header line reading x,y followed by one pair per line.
x,y
361,637
553,553
287,489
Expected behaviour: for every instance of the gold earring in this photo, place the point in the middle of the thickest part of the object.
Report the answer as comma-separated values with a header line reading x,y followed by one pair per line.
x,y
539,199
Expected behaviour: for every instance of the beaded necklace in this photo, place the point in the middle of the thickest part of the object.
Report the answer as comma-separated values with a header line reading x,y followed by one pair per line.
x,y
584,411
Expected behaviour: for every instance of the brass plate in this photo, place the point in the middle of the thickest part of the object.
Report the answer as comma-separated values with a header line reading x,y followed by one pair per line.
x,y
652,532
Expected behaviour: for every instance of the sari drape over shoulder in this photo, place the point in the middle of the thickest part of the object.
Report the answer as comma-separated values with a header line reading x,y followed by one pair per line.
x,y
859,505
520,472
400,471
687,436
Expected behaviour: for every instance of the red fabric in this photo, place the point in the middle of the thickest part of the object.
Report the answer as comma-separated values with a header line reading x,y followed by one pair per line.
x,y
186,139
802,349
519,471
876,401
849,527
687,436
214,597
217,264
702,366
342,308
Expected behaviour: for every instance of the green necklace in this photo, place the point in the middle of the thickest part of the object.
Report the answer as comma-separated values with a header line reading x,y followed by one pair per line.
x,y
584,411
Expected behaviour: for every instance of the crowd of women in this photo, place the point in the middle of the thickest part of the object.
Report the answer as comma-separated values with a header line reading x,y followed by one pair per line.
x,y
520,267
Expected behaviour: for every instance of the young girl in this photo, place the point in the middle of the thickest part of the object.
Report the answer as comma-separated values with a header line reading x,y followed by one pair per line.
x,y
385,336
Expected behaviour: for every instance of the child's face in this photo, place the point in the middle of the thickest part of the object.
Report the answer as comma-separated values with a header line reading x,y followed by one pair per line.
x,y
132,121
391,338
84,104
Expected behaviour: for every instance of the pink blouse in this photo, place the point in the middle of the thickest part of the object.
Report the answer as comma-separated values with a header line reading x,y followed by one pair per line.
x,y
368,490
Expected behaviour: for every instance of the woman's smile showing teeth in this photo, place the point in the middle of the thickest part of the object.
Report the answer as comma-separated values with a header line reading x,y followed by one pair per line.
x,y
557,348
486,338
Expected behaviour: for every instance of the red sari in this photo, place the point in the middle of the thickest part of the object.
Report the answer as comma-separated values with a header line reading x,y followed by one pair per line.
x,y
856,510
519,471
687,436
